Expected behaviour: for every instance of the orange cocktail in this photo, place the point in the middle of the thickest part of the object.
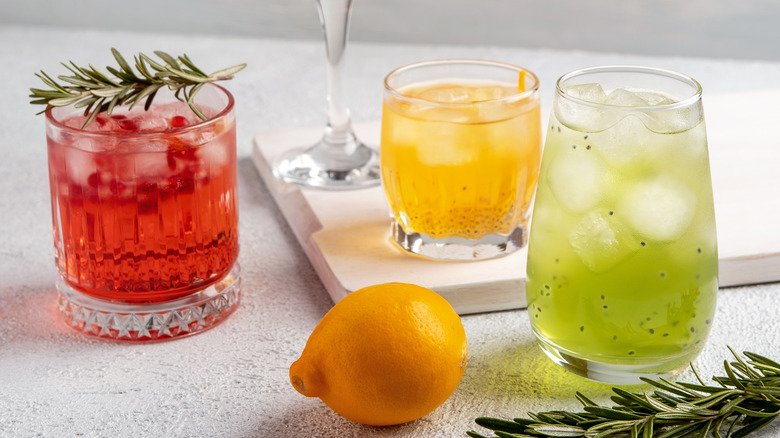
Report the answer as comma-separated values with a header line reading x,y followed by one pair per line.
x,y
460,155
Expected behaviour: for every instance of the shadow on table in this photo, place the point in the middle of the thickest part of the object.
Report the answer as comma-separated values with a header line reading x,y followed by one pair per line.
x,y
30,322
523,372
317,419
29,312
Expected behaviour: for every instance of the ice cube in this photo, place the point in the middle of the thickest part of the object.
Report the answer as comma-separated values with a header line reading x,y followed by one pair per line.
x,y
196,137
690,144
583,117
150,123
587,92
602,241
80,164
446,94
101,123
154,164
577,179
216,154
625,142
674,120
494,111
443,114
623,97
661,120
654,98
400,134
485,93
445,154
659,208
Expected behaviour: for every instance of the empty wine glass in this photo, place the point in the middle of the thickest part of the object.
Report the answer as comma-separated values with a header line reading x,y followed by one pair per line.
x,y
339,161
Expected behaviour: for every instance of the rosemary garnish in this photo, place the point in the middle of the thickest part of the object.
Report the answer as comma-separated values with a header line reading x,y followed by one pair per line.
x,y
745,400
97,93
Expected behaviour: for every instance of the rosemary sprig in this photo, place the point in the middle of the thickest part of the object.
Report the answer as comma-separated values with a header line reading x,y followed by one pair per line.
x,y
740,403
96,92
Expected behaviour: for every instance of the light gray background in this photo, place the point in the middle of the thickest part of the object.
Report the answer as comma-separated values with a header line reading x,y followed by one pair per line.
x,y
740,29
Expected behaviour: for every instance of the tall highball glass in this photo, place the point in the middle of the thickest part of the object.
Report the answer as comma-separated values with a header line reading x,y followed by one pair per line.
x,y
622,258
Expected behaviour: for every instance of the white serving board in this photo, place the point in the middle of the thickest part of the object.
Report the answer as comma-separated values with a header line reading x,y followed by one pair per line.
x,y
345,234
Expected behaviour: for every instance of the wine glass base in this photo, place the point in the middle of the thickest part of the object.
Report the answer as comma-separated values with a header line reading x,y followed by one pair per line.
x,y
311,167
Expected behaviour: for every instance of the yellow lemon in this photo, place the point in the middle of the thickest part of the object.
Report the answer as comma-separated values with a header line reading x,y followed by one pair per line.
x,y
385,354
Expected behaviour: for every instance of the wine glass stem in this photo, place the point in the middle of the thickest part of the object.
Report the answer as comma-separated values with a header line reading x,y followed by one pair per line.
x,y
334,16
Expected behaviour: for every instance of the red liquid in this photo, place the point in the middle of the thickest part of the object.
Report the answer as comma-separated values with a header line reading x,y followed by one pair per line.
x,y
144,218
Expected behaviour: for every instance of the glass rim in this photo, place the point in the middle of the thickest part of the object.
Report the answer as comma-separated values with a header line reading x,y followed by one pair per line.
x,y
529,92
53,121
630,68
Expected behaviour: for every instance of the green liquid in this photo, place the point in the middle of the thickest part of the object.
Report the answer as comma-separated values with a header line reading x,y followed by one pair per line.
x,y
622,262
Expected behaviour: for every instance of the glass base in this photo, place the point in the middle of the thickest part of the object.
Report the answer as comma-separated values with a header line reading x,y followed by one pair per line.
x,y
459,248
150,321
612,373
323,167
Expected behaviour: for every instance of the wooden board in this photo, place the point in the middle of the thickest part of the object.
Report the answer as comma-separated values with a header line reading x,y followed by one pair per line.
x,y
345,234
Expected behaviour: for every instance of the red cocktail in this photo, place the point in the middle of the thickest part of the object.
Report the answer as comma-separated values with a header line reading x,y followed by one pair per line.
x,y
145,216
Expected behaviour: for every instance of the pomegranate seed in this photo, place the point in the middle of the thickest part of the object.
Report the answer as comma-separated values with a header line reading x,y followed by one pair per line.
x,y
128,125
188,185
171,160
93,179
116,186
178,122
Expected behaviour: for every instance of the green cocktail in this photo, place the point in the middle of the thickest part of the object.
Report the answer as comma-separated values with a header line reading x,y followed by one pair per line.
x,y
622,262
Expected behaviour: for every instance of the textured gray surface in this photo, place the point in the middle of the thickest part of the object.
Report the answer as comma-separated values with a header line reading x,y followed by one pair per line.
x,y
232,381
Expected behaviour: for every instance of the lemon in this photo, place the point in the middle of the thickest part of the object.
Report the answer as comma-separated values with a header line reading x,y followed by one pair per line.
x,y
385,354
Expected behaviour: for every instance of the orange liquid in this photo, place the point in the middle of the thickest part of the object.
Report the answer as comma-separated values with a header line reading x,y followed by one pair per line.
x,y
145,226
465,172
